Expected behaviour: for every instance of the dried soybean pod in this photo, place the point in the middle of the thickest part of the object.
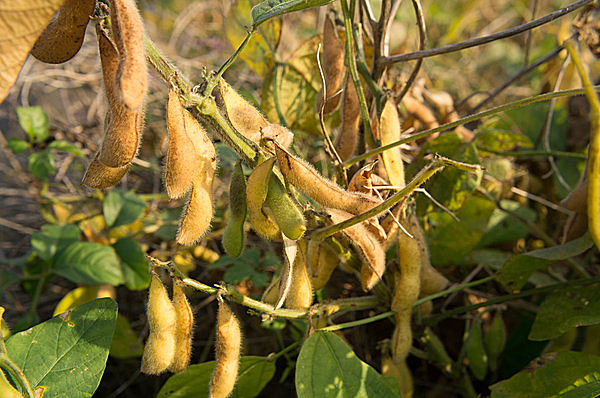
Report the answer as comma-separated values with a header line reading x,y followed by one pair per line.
x,y
99,175
234,235
287,215
300,292
390,131
432,281
256,194
402,336
183,330
476,351
199,210
304,177
367,245
244,117
271,294
62,39
128,29
182,158
399,371
228,342
495,340
410,253
321,261
122,127
347,138
333,66
160,346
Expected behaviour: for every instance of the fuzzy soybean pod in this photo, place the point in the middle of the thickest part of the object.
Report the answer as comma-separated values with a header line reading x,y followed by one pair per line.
x,y
389,132
62,39
399,371
410,253
304,177
234,235
99,175
475,350
256,194
160,346
287,215
128,30
300,292
321,262
182,158
228,343
183,330
198,213
271,293
347,138
333,66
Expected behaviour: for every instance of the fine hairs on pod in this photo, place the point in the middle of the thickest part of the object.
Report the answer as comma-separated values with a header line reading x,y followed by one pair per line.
x,y
183,330
257,188
228,345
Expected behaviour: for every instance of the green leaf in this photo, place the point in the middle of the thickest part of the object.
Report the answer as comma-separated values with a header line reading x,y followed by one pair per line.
x,y
53,238
327,367
41,165
253,375
518,269
122,208
66,146
504,227
89,263
586,387
35,123
501,140
133,263
475,350
67,354
273,8
125,343
567,308
554,376
16,145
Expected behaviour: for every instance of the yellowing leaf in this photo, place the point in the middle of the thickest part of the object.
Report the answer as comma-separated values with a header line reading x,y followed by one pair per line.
x,y
76,297
21,23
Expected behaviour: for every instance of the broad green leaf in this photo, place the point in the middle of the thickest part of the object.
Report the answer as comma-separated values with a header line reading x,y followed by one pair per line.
x,y
66,146
125,343
35,123
67,354
53,238
586,387
41,165
133,263
518,269
89,263
16,145
122,208
28,18
258,53
327,367
549,379
501,140
245,267
503,227
253,375
76,297
567,308
273,8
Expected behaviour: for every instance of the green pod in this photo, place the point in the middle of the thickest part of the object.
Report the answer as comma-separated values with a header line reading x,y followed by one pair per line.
x,y
234,236
436,352
475,350
286,213
495,340
256,194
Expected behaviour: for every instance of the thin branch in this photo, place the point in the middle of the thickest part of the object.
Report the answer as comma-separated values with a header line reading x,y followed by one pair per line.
x,y
422,42
489,38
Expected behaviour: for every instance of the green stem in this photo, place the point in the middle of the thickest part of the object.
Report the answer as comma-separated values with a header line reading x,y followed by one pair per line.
x,y
453,289
467,119
351,61
8,365
509,297
573,155
165,68
593,166
234,56
359,322
424,174
291,347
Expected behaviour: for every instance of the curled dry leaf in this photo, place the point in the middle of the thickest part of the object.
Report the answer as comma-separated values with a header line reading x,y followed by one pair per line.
x,y
333,66
228,343
128,31
29,18
256,194
62,39
347,138
182,158
304,177
183,330
367,245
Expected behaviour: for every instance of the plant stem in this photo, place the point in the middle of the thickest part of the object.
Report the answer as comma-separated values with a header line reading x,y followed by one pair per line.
x,y
593,166
291,347
234,56
573,155
9,366
359,322
467,119
453,289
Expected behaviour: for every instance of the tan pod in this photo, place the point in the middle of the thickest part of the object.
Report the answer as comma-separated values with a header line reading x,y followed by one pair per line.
x,y
62,39
128,31
183,330
347,139
399,371
159,349
182,158
256,193
99,175
321,262
333,66
402,336
300,292
367,245
304,177
390,131
228,343
271,294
